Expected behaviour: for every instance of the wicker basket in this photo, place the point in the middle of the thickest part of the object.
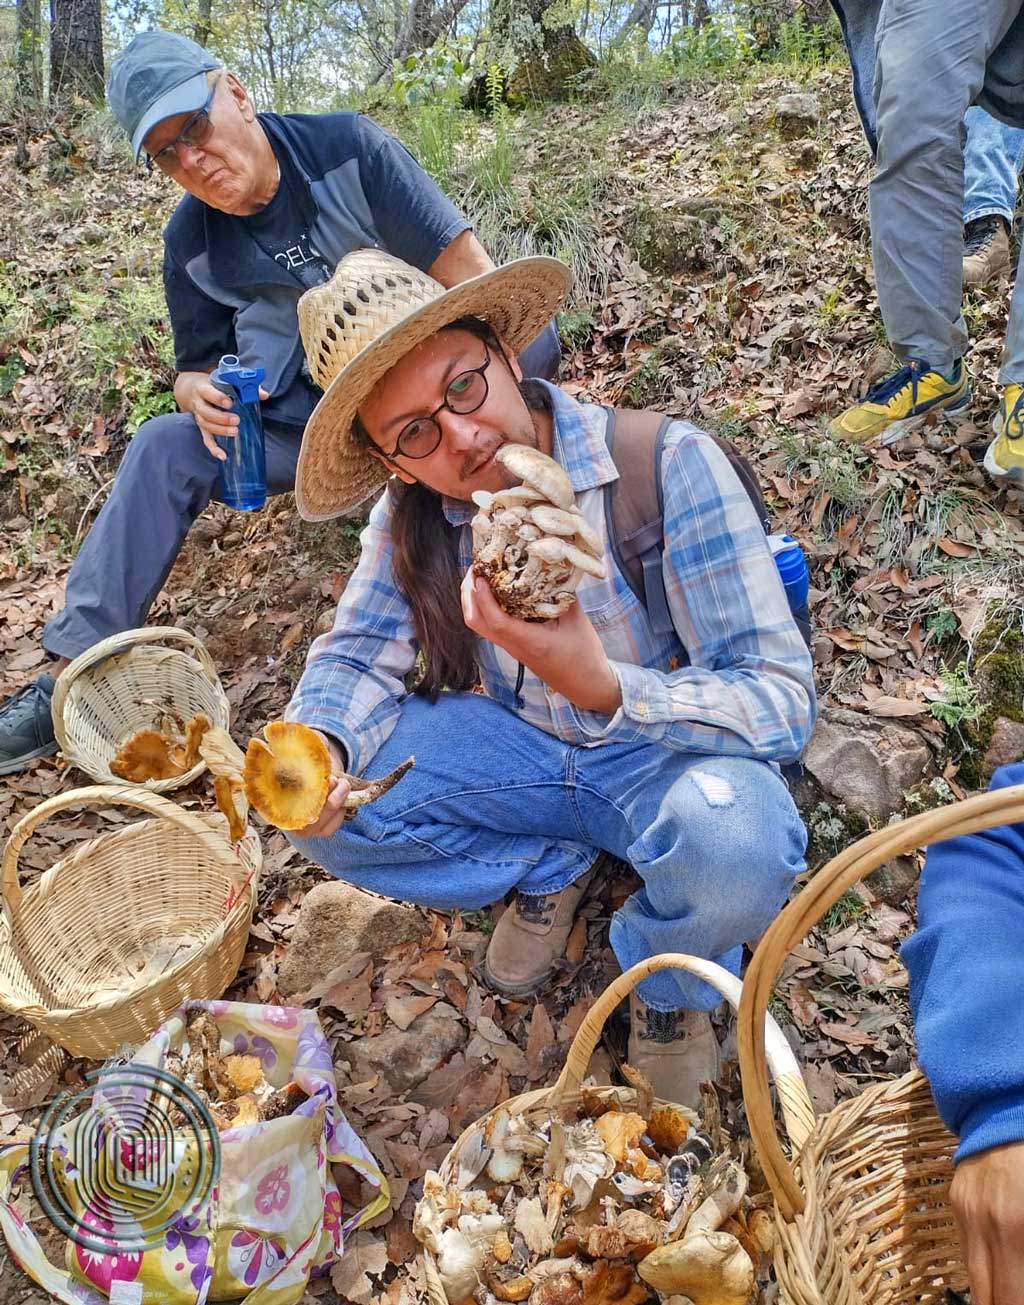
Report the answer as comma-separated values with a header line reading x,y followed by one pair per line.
x,y
117,934
864,1213
564,1093
123,684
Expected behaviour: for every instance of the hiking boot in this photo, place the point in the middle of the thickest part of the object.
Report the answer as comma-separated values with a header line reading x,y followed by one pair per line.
x,y
26,726
901,402
1005,455
676,1049
529,939
986,250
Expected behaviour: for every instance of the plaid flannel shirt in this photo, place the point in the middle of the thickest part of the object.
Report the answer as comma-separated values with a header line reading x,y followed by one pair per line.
x,y
734,678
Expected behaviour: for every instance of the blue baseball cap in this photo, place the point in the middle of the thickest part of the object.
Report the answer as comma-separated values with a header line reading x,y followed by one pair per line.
x,y
156,76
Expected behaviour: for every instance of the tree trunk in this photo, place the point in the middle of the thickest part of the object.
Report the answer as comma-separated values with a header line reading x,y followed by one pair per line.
x,y
203,26
28,62
817,12
76,51
422,24
641,16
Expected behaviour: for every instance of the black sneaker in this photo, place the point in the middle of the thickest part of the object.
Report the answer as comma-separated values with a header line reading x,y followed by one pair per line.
x,y
26,726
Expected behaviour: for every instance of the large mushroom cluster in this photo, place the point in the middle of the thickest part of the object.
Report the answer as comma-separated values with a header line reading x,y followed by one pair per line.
x,y
623,1202
531,542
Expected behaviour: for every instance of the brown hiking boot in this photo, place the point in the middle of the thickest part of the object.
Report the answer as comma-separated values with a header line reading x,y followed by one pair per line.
x,y
677,1050
530,938
986,250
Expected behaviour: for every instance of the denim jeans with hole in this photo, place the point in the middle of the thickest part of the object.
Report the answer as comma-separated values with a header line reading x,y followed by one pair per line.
x,y
494,803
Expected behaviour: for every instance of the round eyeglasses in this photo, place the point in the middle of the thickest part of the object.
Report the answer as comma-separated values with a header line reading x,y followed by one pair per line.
x,y
196,132
463,394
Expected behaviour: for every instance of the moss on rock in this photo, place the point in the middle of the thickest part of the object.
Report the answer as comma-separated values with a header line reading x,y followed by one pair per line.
x,y
998,671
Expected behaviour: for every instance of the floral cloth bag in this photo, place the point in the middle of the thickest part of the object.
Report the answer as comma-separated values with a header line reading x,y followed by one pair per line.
x,y
275,1215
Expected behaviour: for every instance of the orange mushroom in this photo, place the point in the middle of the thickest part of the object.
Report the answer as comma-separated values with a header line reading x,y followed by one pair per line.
x,y
287,778
146,755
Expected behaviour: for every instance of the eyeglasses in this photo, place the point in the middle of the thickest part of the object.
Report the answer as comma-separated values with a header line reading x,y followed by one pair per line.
x,y
463,394
195,132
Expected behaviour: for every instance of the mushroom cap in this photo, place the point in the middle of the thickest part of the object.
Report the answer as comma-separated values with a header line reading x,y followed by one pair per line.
x,y
287,781
146,755
538,471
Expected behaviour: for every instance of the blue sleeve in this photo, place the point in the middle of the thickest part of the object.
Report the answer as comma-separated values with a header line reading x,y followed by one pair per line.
x,y
966,967
203,329
414,217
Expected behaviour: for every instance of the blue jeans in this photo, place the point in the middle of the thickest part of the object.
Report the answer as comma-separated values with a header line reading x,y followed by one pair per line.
x,y
993,151
494,803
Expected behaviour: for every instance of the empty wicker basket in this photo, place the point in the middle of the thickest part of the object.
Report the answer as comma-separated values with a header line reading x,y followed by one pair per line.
x,y
564,1093
119,932
126,683
863,1214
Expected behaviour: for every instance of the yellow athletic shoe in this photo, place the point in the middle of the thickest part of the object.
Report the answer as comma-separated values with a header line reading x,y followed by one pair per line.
x,y
1005,455
895,406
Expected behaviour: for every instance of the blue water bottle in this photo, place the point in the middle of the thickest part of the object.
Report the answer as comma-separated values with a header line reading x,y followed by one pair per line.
x,y
244,475
789,558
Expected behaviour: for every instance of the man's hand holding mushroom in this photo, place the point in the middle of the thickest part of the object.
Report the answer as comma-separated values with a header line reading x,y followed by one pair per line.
x,y
531,548
564,652
332,814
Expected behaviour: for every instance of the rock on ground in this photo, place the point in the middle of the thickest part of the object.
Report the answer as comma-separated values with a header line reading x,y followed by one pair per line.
x,y
404,1057
868,764
895,881
796,114
336,921
1006,745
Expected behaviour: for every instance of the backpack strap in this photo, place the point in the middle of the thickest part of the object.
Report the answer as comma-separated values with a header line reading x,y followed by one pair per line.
x,y
634,507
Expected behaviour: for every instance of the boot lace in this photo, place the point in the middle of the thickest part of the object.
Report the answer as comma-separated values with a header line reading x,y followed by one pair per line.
x,y
980,234
660,1025
532,907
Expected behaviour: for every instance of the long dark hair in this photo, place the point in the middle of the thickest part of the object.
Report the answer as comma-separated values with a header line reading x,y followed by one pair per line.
x,y
426,558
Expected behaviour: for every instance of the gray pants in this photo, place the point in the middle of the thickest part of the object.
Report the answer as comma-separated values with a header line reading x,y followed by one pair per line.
x,y
165,480
930,66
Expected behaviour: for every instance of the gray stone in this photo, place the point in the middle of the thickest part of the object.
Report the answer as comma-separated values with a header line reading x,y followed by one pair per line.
x,y
895,881
796,114
867,763
404,1057
1006,745
338,920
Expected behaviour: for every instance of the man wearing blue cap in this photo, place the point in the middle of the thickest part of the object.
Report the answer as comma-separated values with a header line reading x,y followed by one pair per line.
x,y
272,203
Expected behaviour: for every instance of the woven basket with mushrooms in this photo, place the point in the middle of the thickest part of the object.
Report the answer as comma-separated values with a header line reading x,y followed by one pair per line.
x,y
626,1202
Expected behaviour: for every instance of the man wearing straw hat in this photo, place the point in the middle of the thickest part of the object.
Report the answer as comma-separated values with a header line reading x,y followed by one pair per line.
x,y
593,733
272,202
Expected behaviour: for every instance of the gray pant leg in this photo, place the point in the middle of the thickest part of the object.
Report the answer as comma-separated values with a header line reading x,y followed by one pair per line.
x,y
165,480
930,65
1012,370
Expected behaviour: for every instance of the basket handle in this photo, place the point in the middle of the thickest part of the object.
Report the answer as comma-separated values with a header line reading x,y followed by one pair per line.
x,y
121,642
999,807
797,1110
105,795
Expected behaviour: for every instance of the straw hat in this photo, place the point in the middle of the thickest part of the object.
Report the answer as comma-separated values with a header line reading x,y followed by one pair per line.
x,y
371,313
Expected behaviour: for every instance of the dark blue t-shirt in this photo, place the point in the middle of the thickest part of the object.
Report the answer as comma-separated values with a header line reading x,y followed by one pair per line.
x,y
233,283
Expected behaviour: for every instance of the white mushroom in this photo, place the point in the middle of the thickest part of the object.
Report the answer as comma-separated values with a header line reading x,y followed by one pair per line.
x,y
711,1268
560,550
538,471
530,542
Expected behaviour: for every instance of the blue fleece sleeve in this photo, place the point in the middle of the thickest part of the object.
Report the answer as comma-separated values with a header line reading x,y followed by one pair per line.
x,y
966,965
